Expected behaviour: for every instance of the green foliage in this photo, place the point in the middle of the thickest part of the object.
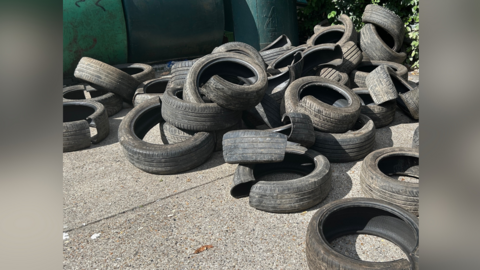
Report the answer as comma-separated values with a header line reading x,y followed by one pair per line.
x,y
319,10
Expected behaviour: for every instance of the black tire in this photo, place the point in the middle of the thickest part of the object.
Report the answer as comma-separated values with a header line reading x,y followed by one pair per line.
x,y
319,56
376,182
380,85
331,106
416,138
293,59
388,20
139,71
112,102
241,48
275,49
382,114
78,117
408,101
149,89
361,216
337,34
373,44
158,158
334,75
253,146
104,77
196,116
267,112
298,127
349,146
289,195
277,85
358,75
352,57
179,73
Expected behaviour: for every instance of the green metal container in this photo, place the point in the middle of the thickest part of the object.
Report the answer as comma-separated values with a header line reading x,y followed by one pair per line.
x,y
95,29
259,22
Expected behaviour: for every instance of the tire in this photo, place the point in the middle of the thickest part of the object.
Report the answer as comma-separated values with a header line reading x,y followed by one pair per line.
x,y
321,25
337,34
112,102
289,195
352,57
196,116
158,158
104,77
139,71
409,101
416,138
149,89
293,59
299,129
361,216
380,85
374,46
179,73
241,48
78,117
321,55
388,20
334,75
277,85
349,146
172,135
275,49
381,115
358,75
337,113
267,112
376,183
253,146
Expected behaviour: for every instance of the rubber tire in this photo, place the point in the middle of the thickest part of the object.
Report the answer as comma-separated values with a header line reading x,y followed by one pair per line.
x,y
382,115
361,216
112,102
376,49
321,25
409,102
146,74
416,138
76,134
179,73
288,59
377,184
267,112
380,85
357,77
196,116
325,117
289,195
253,146
352,57
277,84
144,90
348,29
104,77
334,75
241,48
348,146
386,19
298,127
319,56
158,158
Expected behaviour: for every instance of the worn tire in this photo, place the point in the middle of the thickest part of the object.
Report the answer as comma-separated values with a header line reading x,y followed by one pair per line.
x,y
337,113
104,77
416,138
349,146
139,71
112,102
361,216
409,100
334,75
376,183
275,49
149,89
158,158
267,112
374,46
319,56
380,85
253,146
241,48
196,116
352,56
358,75
382,114
291,59
338,34
298,127
179,73
78,117
388,20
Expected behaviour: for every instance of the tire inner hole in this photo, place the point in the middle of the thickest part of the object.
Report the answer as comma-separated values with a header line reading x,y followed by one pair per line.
x,y
329,37
231,71
158,86
370,67
73,113
293,166
386,37
325,94
131,70
402,168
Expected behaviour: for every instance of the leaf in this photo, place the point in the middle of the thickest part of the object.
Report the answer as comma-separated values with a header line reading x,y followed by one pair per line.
x,y
202,249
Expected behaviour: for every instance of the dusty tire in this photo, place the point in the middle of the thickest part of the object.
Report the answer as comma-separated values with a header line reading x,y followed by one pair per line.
x,y
374,46
334,75
298,127
349,146
319,26
380,85
352,57
139,71
358,75
288,195
157,158
388,20
179,73
241,48
337,34
416,138
78,117
382,114
331,106
361,216
376,182
112,102
278,47
149,89
291,59
319,56
196,116
253,146
267,112
408,101
104,77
